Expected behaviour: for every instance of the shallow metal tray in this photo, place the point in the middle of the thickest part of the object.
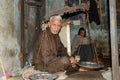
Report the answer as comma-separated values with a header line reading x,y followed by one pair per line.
x,y
43,76
89,64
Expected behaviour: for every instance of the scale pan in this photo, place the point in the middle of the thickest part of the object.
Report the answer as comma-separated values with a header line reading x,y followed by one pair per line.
x,y
89,64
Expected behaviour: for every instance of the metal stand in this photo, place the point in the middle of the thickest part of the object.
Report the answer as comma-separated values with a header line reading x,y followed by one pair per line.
x,y
90,64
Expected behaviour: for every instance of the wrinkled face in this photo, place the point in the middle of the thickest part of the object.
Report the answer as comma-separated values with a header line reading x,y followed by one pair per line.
x,y
82,33
55,25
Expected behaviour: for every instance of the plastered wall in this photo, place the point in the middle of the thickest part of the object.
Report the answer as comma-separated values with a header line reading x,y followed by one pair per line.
x,y
9,46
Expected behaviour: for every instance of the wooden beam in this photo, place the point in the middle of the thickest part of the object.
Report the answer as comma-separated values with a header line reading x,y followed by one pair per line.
x,y
65,10
34,3
114,40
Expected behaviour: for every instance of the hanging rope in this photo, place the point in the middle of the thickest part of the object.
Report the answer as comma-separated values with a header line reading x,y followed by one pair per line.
x,y
90,38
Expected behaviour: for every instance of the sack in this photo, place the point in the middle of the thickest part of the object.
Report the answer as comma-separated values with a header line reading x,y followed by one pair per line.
x,y
85,52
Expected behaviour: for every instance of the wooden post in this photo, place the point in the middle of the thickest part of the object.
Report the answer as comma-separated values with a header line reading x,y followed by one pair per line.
x,y
68,40
114,40
22,34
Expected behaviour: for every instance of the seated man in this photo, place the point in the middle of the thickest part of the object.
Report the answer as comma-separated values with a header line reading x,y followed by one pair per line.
x,y
50,55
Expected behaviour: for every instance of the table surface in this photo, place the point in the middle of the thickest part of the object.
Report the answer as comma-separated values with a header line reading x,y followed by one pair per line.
x,y
86,75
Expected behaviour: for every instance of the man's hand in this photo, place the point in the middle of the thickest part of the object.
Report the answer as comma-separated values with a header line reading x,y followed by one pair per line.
x,y
72,61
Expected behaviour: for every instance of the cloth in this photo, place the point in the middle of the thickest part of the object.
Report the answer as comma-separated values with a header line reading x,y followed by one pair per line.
x,y
79,40
93,12
61,76
83,47
46,51
85,52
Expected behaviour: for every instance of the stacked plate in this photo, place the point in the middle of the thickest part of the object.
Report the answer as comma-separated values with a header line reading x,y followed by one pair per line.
x,y
43,76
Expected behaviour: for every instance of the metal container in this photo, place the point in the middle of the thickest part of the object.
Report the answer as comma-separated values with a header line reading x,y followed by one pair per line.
x,y
89,64
43,76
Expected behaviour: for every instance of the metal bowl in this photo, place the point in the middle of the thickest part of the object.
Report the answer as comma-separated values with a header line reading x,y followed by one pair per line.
x,y
89,64
43,76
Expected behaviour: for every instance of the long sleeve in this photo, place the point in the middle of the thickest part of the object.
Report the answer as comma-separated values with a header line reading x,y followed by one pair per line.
x,y
43,52
61,49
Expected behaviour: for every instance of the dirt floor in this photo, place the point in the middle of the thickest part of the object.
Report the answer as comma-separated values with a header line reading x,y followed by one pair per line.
x,y
85,75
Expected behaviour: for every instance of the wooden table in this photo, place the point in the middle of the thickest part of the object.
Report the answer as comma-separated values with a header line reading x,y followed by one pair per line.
x,y
86,75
